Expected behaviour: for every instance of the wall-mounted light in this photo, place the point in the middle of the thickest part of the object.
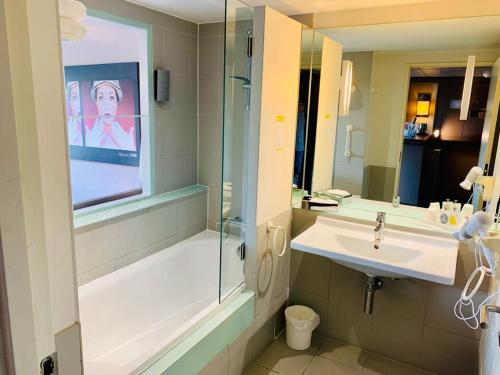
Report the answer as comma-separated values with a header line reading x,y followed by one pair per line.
x,y
71,12
469,76
345,88
423,105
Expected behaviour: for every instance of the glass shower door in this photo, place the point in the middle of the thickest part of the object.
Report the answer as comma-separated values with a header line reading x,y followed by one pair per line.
x,y
236,111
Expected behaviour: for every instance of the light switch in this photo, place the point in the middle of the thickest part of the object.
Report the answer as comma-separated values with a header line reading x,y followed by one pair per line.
x,y
279,133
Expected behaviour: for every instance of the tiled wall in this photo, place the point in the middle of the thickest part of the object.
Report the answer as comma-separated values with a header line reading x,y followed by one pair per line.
x,y
176,132
412,320
104,248
211,60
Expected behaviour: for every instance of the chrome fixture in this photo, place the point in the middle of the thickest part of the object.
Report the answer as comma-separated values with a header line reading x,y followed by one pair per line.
x,y
379,228
372,284
335,197
396,201
245,81
483,317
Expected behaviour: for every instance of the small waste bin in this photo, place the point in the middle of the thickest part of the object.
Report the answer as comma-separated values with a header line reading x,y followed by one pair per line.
x,y
300,322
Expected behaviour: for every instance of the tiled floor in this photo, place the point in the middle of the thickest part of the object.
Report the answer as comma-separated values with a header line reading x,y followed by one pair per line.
x,y
324,357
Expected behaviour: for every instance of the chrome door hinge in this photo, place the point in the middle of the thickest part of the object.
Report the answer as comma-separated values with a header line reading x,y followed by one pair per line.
x,y
242,250
249,43
48,365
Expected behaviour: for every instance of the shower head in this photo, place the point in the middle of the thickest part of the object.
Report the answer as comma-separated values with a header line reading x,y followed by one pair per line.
x,y
245,81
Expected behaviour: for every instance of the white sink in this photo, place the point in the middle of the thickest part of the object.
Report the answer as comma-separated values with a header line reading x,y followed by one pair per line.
x,y
399,254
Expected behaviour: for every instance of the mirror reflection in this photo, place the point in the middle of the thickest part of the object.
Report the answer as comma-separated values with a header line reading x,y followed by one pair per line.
x,y
397,113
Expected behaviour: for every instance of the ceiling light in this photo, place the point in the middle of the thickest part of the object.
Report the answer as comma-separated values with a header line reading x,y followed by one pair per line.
x,y
345,88
469,76
71,13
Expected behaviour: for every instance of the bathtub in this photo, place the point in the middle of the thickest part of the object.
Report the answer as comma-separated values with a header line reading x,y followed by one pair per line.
x,y
131,316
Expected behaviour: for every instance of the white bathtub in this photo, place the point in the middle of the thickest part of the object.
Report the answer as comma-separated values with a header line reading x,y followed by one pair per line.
x,y
132,314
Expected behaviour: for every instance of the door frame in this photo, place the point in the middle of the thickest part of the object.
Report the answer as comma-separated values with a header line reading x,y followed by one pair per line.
x,y
36,217
7,357
410,66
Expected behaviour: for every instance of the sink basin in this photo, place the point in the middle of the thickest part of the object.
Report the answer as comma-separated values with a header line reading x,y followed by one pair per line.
x,y
400,254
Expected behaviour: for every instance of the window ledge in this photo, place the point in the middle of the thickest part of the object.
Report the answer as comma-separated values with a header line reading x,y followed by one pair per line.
x,y
82,221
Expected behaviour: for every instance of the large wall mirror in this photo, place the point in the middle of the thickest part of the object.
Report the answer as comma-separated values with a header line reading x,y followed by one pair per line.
x,y
381,115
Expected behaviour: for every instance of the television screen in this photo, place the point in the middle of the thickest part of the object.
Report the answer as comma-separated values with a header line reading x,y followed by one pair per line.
x,y
103,112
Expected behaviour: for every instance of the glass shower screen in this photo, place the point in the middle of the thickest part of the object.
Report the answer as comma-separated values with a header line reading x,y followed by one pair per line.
x,y
236,111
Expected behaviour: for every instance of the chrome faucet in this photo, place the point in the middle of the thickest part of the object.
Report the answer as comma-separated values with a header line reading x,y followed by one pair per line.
x,y
379,228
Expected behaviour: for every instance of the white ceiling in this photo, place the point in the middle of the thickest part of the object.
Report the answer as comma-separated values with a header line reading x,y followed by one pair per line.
x,y
317,6
449,72
205,11
464,33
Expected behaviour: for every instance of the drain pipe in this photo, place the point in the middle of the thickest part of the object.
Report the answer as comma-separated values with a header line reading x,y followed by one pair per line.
x,y
372,284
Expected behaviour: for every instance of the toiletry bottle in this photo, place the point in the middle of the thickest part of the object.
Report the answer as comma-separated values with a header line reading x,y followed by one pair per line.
x,y
452,219
457,207
435,209
445,214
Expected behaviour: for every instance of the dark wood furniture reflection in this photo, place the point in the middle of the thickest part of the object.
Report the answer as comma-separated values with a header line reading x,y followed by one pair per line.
x,y
432,168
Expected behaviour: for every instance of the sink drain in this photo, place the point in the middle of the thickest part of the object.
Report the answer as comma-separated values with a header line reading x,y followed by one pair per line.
x,y
372,284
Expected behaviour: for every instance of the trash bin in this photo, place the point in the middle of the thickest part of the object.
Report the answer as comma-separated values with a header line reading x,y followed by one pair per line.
x,y
300,322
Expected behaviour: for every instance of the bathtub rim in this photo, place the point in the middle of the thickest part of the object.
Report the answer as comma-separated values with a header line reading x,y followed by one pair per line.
x,y
237,292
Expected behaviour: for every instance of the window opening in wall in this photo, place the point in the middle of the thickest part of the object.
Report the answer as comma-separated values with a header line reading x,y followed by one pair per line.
x,y
107,107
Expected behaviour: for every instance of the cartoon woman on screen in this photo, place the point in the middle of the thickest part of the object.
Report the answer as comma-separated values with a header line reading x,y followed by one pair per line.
x,y
74,113
107,131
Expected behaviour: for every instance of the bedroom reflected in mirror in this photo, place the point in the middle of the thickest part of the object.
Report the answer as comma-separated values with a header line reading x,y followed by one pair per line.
x,y
398,113
439,148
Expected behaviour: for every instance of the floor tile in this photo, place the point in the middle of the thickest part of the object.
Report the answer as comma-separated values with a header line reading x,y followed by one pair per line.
x,y
284,360
258,370
341,352
325,366
378,365
316,342
421,371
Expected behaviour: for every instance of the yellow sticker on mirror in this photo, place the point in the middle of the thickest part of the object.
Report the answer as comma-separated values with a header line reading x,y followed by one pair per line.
x,y
327,116
280,118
